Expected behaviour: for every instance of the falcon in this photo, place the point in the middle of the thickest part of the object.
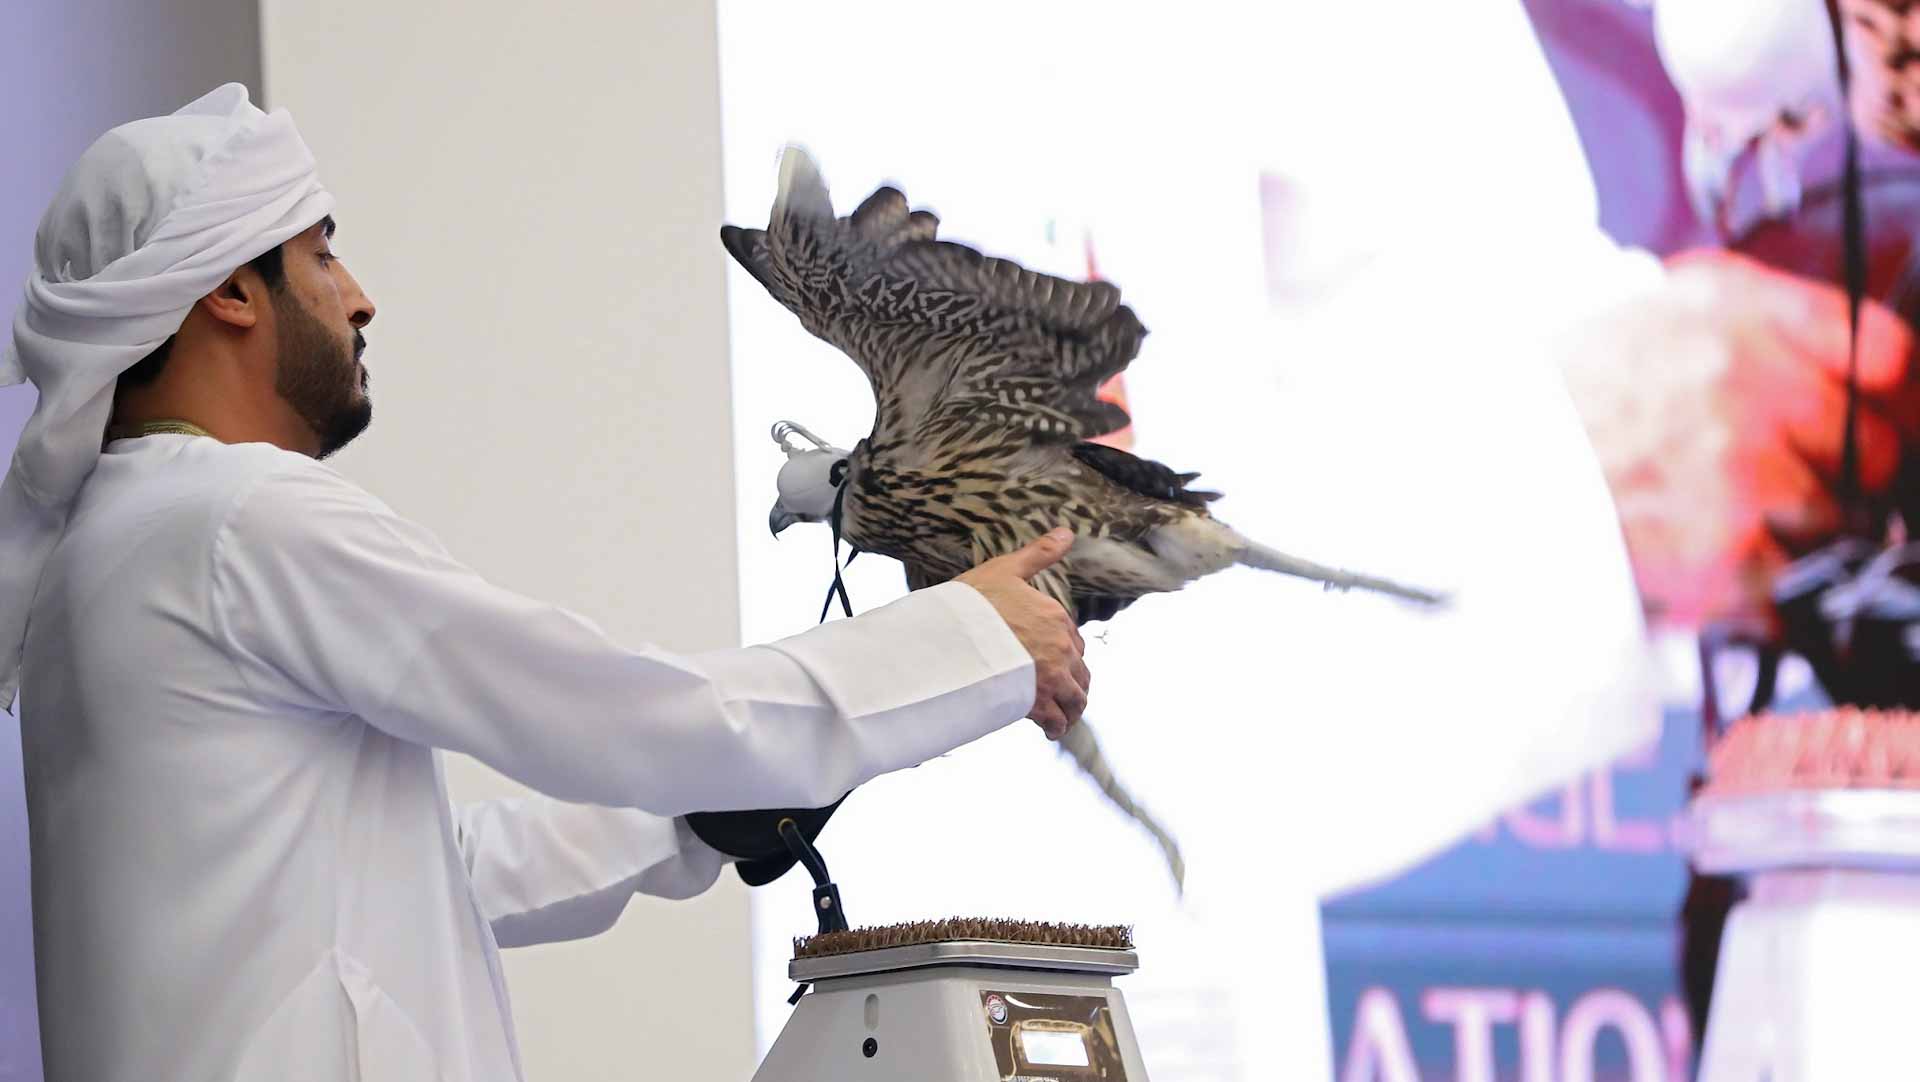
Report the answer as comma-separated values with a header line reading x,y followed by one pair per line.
x,y
986,379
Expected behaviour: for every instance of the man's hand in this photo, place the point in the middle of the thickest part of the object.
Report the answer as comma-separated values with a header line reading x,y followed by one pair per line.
x,y
1716,408
1042,626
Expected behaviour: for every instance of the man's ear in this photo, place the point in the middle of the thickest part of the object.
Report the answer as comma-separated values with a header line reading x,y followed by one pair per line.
x,y
239,299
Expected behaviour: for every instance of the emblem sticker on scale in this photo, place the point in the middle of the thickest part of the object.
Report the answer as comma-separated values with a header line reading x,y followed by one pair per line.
x,y
996,1009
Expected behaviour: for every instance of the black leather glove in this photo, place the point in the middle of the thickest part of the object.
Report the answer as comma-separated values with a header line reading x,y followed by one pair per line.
x,y
753,837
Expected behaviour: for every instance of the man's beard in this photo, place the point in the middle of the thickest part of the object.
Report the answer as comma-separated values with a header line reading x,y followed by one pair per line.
x,y
320,376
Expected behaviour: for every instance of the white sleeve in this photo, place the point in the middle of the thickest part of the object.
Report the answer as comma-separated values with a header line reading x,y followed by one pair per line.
x,y
544,870
331,603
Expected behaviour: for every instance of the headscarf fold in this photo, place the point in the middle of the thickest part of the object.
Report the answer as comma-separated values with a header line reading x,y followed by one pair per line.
x,y
153,217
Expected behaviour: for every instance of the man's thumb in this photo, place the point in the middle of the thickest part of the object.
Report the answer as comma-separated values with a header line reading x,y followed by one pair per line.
x,y
1039,554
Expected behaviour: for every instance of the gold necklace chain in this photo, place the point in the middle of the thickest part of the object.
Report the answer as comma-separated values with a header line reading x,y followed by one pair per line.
x,y
157,428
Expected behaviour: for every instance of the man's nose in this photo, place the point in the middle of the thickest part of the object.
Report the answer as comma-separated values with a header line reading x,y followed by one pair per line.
x,y
359,306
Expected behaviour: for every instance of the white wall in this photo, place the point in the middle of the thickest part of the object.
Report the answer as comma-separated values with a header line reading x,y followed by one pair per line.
x,y
69,70
531,194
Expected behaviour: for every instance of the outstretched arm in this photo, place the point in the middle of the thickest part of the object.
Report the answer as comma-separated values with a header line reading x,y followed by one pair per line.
x,y
334,605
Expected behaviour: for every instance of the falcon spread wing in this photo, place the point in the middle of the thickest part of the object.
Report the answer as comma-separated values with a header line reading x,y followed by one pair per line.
x,y
956,345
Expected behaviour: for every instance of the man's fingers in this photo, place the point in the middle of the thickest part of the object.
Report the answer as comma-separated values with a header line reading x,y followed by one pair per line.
x,y
1079,644
1047,715
1082,676
1072,702
1037,555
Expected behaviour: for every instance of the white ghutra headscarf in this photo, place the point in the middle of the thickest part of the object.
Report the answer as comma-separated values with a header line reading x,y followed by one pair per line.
x,y
154,216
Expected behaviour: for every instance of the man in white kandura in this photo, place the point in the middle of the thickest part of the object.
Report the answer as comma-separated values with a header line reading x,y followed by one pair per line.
x,y
235,667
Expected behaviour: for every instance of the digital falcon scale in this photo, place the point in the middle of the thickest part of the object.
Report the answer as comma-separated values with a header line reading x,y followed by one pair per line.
x,y
953,1000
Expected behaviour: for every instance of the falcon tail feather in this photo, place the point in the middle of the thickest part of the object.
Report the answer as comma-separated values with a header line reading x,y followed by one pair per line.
x,y
1081,743
801,190
1270,559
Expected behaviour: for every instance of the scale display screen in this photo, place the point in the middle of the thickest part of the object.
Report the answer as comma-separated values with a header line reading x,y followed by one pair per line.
x,y
1053,1048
